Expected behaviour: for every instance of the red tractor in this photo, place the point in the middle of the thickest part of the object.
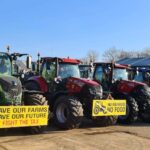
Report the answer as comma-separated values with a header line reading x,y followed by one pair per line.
x,y
114,78
70,97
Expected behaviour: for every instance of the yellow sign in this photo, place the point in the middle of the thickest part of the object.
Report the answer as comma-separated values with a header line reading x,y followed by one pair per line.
x,y
21,116
109,107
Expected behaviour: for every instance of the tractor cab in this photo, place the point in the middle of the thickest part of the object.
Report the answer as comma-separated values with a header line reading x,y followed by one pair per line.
x,y
21,66
11,66
109,73
59,67
55,70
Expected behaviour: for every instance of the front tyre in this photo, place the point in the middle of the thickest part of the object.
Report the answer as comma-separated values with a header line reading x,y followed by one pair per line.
x,y
143,100
68,112
37,100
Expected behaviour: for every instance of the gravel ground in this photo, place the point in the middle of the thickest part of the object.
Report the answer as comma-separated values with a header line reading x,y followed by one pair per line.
x,y
136,136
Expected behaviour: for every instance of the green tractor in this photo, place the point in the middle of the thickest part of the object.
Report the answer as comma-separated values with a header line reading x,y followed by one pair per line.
x,y
11,91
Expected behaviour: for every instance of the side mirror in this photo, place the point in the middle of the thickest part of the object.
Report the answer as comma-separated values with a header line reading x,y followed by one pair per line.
x,y
29,62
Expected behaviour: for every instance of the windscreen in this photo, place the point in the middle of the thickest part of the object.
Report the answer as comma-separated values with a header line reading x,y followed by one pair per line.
x,y
68,70
5,64
120,74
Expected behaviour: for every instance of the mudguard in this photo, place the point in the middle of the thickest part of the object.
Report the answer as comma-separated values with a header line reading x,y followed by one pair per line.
x,y
41,82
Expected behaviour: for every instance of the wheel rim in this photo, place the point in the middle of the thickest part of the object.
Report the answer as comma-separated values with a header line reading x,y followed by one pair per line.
x,y
62,113
123,117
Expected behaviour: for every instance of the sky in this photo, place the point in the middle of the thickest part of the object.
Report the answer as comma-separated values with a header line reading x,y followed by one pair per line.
x,y
73,27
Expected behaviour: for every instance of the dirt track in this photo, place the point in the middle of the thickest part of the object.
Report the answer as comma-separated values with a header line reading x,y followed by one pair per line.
x,y
130,137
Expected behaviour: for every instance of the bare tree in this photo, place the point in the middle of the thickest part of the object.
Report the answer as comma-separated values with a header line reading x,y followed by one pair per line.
x,y
114,54
127,54
111,54
145,52
84,60
91,56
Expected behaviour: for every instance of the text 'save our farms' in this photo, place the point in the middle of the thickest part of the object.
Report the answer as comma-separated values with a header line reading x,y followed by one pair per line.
x,y
21,116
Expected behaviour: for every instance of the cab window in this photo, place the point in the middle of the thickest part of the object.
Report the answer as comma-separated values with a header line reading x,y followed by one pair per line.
x,y
5,64
48,71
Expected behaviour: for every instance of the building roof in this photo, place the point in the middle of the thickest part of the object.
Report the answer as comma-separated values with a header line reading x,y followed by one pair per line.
x,y
136,62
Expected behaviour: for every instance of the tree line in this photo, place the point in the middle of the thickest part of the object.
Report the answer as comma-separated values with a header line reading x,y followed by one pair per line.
x,y
114,54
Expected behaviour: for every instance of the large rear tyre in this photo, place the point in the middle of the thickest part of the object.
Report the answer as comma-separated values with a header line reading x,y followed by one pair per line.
x,y
35,99
105,121
143,100
131,112
68,112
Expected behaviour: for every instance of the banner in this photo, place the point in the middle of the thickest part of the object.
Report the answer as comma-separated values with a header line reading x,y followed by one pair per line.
x,y
109,107
21,116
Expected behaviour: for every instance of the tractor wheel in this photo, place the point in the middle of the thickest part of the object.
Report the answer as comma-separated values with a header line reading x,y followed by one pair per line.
x,y
38,100
131,112
68,112
105,120
143,100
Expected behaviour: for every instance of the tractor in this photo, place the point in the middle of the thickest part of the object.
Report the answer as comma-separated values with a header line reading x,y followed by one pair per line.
x,y
12,93
114,78
70,97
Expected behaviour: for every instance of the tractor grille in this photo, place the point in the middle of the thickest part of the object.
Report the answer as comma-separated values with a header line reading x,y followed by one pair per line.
x,y
91,92
11,90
